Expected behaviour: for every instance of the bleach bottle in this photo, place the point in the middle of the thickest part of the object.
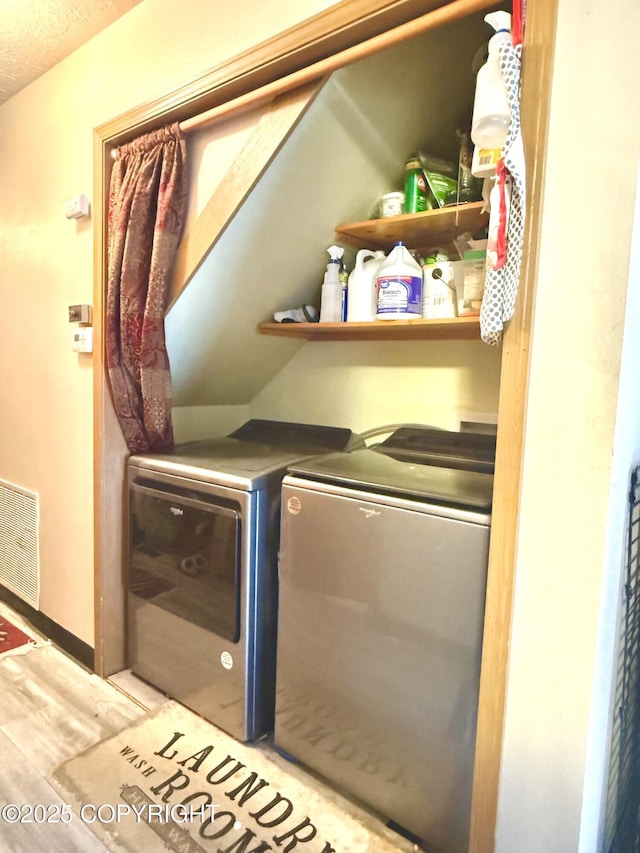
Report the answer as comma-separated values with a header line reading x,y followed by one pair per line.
x,y
362,300
491,113
399,286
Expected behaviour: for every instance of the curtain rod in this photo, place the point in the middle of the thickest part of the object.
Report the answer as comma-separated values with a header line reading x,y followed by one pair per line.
x,y
257,97
450,12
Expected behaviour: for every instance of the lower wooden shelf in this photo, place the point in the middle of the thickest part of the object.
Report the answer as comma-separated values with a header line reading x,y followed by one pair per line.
x,y
456,328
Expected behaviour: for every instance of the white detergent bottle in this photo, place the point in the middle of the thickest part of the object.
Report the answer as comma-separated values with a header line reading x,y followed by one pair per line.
x,y
361,301
491,113
331,298
399,286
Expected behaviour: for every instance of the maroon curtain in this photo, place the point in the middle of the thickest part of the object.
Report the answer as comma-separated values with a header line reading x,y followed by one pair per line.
x,y
147,205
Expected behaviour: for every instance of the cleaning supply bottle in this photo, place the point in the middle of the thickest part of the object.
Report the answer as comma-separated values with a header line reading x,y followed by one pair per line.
x,y
468,188
344,281
438,287
331,299
399,286
361,299
491,113
416,191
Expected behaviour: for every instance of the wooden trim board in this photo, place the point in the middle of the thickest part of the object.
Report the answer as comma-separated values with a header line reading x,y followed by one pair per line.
x,y
536,84
324,67
277,121
337,28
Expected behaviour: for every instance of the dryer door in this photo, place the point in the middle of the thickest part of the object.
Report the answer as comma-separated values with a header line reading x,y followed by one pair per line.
x,y
184,557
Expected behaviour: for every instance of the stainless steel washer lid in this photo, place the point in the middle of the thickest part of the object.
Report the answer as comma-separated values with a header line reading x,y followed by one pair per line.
x,y
250,455
412,465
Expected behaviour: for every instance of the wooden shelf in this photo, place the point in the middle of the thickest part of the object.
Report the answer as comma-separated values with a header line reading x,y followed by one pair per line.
x,y
420,231
457,328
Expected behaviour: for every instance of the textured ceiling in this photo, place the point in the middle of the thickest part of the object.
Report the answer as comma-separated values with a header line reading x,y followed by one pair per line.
x,y
37,34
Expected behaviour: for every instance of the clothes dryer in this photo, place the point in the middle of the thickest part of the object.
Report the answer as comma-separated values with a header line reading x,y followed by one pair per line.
x,y
202,597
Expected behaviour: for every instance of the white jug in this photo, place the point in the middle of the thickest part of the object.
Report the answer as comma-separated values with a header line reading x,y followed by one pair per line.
x,y
361,287
399,286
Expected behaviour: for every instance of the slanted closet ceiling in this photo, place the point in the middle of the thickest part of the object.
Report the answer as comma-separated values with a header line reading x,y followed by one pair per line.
x,y
347,150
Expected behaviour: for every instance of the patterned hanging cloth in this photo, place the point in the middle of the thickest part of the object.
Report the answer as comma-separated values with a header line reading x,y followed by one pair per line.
x,y
501,284
147,206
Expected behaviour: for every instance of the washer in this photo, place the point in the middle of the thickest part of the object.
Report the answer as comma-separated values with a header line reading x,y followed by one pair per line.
x,y
382,576
202,600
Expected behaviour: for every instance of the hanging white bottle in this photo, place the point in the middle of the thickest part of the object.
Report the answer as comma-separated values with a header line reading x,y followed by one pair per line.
x,y
491,113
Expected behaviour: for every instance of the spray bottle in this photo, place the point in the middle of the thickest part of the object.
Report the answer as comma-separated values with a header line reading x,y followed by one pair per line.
x,y
331,300
491,113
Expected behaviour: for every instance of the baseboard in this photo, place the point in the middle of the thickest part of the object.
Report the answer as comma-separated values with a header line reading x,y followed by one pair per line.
x,y
68,642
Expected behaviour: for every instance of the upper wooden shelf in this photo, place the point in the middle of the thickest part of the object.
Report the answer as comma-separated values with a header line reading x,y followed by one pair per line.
x,y
426,230
457,328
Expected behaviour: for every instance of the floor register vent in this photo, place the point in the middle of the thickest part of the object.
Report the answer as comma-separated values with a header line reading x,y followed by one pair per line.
x,y
19,563
622,824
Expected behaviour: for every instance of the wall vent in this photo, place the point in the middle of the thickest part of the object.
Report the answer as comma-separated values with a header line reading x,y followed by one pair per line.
x,y
19,558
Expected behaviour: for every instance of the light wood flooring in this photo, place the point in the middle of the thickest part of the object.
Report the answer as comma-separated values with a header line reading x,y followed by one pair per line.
x,y
51,709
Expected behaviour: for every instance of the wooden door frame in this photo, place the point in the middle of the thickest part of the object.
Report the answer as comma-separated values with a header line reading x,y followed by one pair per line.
x,y
333,30
538,58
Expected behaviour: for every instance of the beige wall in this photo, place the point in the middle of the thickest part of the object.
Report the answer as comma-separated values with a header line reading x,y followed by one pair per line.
x,y
363,386
561,651
46,261
577,457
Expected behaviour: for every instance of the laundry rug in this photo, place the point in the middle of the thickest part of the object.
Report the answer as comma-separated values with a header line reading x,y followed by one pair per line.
x,y
11,637
172,781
